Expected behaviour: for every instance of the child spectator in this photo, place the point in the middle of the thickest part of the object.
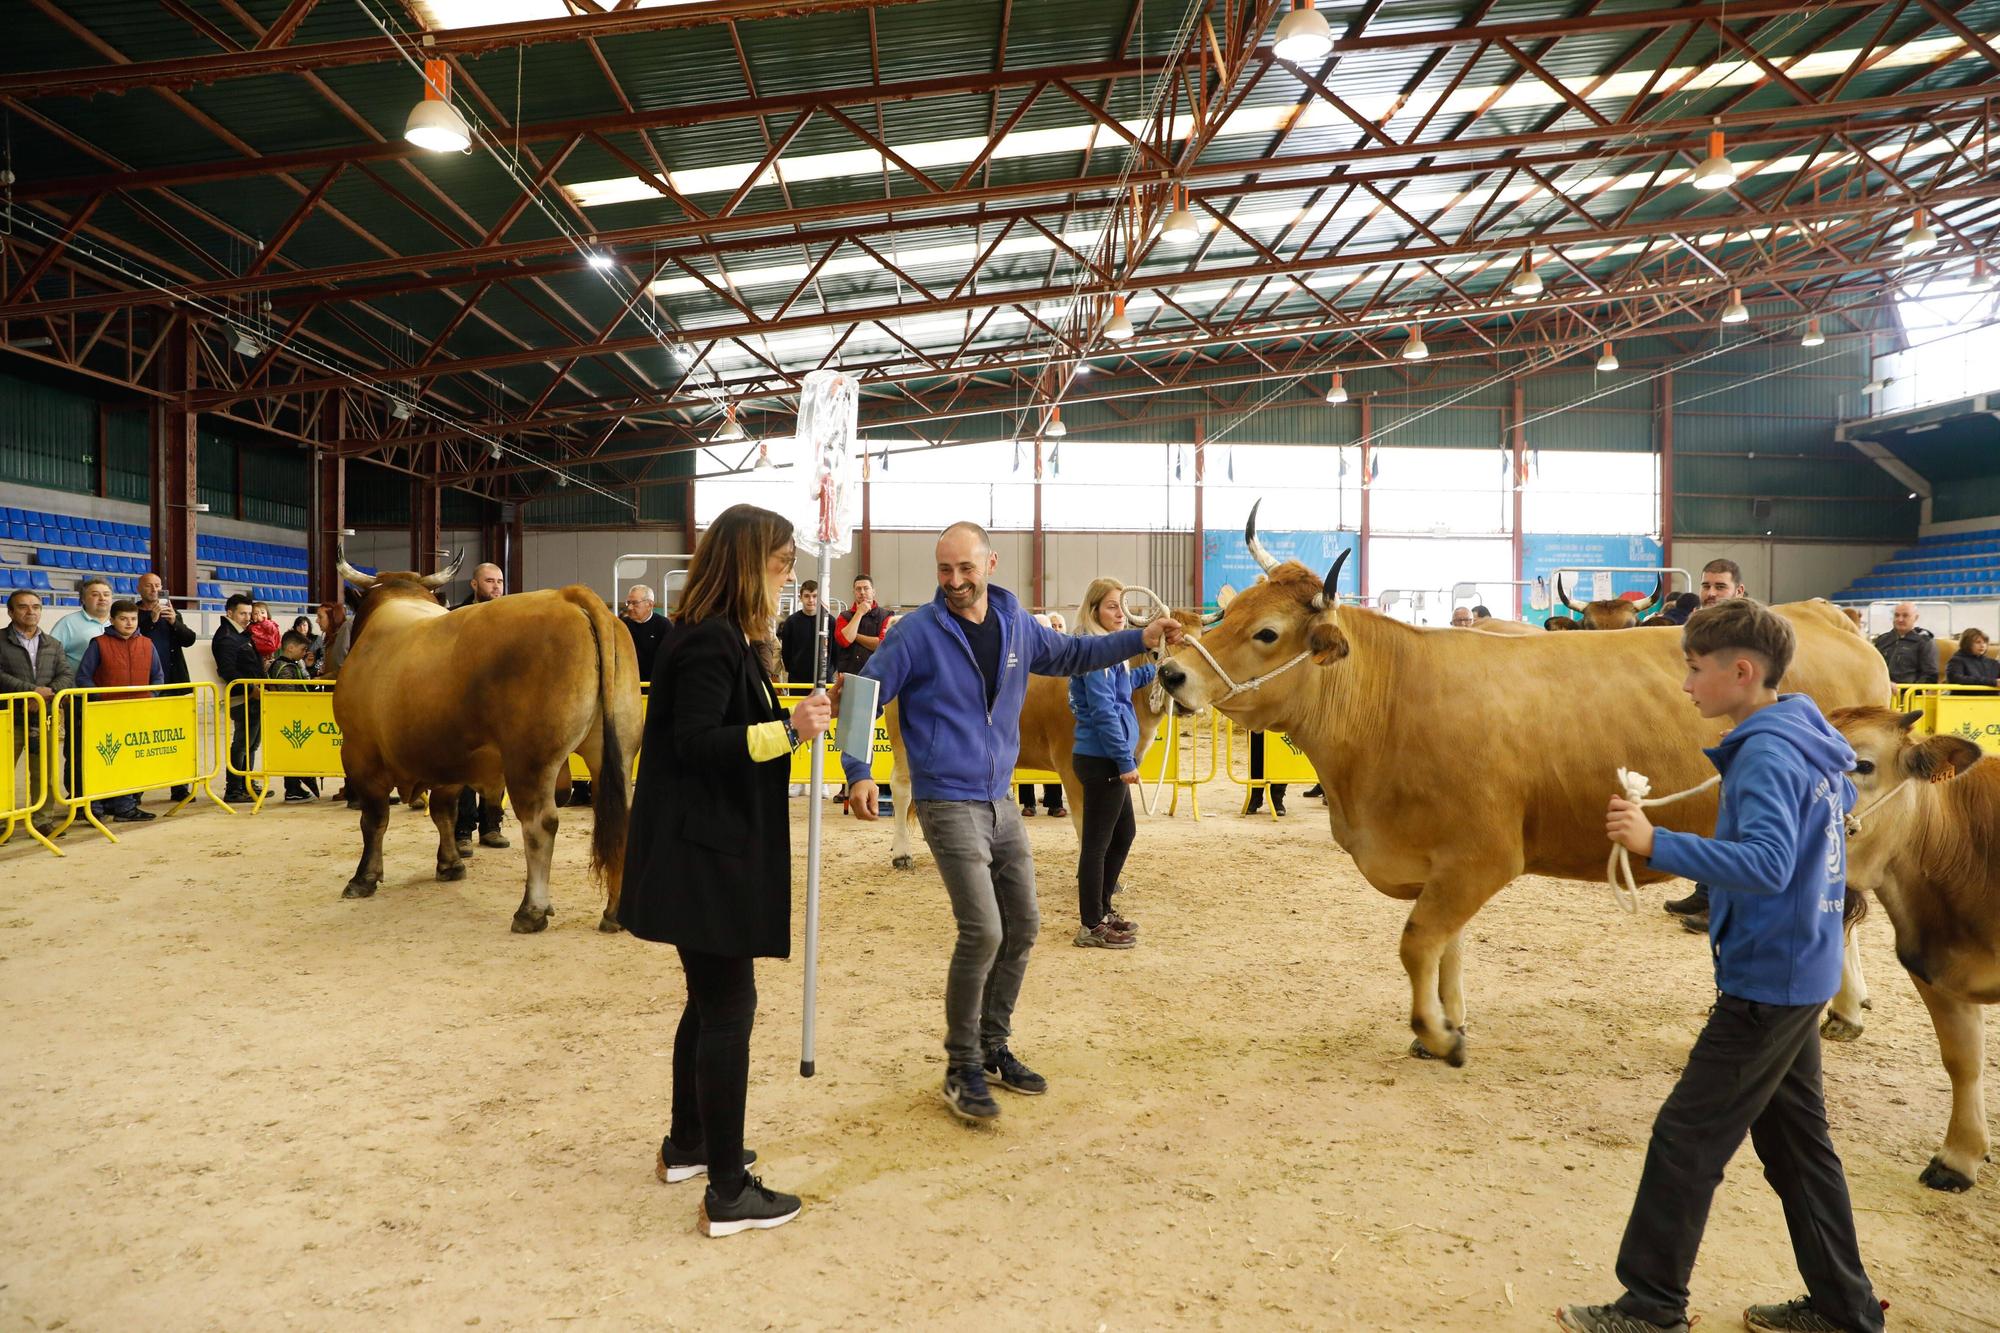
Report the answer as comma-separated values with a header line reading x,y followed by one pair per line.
x,y
1777,875
265,635
121,656
290,664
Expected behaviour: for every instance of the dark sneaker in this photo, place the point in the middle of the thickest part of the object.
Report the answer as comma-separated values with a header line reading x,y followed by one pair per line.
x,y
1792,1317
1102,936
1027,812
133,816
1695,904
1695,925
464,846
1611,1319
673,1165
292,796
1312,791
755,1209
237,796
1011,1074
1121,925
966,1094
1277,805
495,838
1060,812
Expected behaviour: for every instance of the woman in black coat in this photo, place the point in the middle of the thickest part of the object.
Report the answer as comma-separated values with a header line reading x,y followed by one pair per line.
x,y
708,865
1970,665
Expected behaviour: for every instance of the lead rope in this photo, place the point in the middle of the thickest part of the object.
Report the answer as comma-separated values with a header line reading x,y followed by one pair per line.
x,y
1157,697
1618,871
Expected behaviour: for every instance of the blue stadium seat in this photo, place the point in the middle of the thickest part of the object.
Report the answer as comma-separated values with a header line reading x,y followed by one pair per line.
x,y
39,580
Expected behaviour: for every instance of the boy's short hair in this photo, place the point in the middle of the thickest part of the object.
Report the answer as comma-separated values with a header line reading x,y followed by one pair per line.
x,y
1742,625
237,599
1721,566
122,606
292,636
810,585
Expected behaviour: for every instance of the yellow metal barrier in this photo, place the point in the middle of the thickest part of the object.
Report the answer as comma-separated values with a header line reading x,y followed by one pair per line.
x,y
580,771
1971,711
1284,764
299,737
23,716
129,739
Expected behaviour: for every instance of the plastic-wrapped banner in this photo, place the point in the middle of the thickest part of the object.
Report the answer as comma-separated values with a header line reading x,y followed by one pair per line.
x,y
828,499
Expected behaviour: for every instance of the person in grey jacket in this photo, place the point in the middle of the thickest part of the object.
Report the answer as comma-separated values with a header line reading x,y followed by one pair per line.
x,y
32,662
1970,665
1910,652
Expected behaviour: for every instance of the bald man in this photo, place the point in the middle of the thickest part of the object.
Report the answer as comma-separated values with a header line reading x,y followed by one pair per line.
x,y
1910,651
960,667
489,583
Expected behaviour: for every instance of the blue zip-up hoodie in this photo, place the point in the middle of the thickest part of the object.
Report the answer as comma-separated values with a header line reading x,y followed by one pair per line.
x,y
1106,724
958,749
1776,868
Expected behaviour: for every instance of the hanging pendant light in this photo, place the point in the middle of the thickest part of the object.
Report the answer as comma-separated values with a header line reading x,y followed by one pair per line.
x,y
1813,337
1084,368
1735,312
1118,328
1414,349
434,123
1527,282
1337,392
1180,226
763,463
1609,361
730,432
1303,35
1981,279
1919,238
1716,171
1054,429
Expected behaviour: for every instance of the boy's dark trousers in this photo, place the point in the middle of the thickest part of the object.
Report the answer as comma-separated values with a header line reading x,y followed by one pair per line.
x,y
1754,1068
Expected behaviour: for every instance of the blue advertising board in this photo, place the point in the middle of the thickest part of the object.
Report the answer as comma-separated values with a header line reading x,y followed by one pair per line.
x,y
1543,553
1226,560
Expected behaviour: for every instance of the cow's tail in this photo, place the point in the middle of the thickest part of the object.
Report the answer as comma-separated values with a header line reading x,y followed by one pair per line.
x,y
611,794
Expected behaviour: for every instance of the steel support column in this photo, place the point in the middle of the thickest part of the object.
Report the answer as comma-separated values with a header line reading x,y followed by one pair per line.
x,y
1517,436
1664,400
172,462
862,547
1200,546
513,519
1367,484
324,541
1035,547
426,528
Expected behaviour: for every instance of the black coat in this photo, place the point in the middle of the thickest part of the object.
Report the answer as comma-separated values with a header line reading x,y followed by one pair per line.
x,y
235,656
646,637
169,641
798,637
1963,670
708,864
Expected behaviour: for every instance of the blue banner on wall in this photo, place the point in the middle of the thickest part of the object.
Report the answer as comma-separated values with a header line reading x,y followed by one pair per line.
x,y
1226,560
1542,554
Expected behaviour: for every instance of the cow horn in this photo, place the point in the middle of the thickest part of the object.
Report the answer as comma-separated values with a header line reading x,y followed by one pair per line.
x,y
1265,560
1212,618
353,577
445,575
1563,597
1659,591
1329,593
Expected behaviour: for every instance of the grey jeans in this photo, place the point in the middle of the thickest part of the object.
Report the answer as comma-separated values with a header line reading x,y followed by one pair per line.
x,y
989,870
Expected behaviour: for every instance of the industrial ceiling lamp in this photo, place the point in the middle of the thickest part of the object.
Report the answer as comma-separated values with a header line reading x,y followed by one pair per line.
x,y
1609,361
1414,349
1527,282
434,123
598,259
1813,337
1054,428
1735,312
1118,328
763,463
1716,171
1337,392
1085,368
730,432
246,344
1981,279
1180,224
1919,238
1303,35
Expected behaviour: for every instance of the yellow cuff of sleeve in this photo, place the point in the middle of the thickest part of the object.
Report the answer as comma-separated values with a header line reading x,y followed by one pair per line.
x,y
768,741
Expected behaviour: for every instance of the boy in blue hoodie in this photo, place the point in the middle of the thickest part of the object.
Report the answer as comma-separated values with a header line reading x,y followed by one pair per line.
x,y
1777,872
960,666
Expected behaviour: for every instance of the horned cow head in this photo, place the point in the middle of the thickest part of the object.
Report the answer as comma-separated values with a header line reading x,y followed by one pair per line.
x,y
1612,612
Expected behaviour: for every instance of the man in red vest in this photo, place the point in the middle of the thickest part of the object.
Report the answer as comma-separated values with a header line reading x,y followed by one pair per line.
x,y
121,656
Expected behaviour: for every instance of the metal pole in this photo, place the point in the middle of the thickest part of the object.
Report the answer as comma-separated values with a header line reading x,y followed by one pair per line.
x,y
814,786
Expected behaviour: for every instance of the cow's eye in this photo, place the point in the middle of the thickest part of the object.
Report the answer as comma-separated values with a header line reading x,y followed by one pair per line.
x,y
1864,766
1266,636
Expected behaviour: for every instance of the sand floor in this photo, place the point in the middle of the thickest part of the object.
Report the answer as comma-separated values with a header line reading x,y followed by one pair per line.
x,y
234,1101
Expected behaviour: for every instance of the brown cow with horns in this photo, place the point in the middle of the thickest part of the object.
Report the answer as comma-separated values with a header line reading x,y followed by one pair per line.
x,y
1612,612
495,696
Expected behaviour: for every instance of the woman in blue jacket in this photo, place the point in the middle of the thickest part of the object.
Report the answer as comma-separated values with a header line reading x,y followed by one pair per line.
x,y
1107,768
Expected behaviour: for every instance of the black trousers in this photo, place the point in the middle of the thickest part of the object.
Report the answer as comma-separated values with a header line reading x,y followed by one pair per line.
x,y
474,812
1052,796
1278,789
1754,1068
246,732
1108,830
712,1064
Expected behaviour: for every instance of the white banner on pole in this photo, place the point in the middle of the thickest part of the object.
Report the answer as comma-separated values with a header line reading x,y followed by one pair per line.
x,y
827,501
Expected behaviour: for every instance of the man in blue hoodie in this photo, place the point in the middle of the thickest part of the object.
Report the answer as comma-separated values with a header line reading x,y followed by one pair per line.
x,y
960,665
1777,875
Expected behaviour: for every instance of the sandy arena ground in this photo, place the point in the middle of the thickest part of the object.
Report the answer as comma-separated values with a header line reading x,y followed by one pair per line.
x,y
235,1101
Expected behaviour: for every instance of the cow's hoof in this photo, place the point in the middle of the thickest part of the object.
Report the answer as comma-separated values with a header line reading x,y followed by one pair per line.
x,y
530,923
905,863
359,888
455,871
1836,1028
1938,1176
1868,1004
1454,1057
609,924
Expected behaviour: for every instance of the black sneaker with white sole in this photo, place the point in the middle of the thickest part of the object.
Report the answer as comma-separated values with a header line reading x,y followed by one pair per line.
x,y
966,1093
1794,1316
674,1165
753,1209
1610,1319
1011,1074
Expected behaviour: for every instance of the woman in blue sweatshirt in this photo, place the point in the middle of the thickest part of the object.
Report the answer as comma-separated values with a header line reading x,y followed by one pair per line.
x,y
1107,768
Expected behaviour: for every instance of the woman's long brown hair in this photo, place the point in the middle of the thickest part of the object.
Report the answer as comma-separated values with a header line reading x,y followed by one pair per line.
x,y
726,576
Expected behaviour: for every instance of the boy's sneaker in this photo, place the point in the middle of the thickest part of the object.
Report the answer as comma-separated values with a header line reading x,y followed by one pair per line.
x,y
133,816
1103,936
1611,1319
673,1165
1695,904
1011,1074
1792,1317
1120,924
966,1094
754,1209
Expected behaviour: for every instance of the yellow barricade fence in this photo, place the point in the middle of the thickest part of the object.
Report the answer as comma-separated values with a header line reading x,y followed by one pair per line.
x,y
128,739
299,738
580,771
24,734
1284,764
1971,711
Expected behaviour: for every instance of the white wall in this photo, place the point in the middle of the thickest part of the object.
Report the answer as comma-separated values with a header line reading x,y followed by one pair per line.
x,y
555,559
1776,571
1961,525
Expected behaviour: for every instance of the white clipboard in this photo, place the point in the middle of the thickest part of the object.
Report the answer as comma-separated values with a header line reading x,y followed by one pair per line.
x,y
857,717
